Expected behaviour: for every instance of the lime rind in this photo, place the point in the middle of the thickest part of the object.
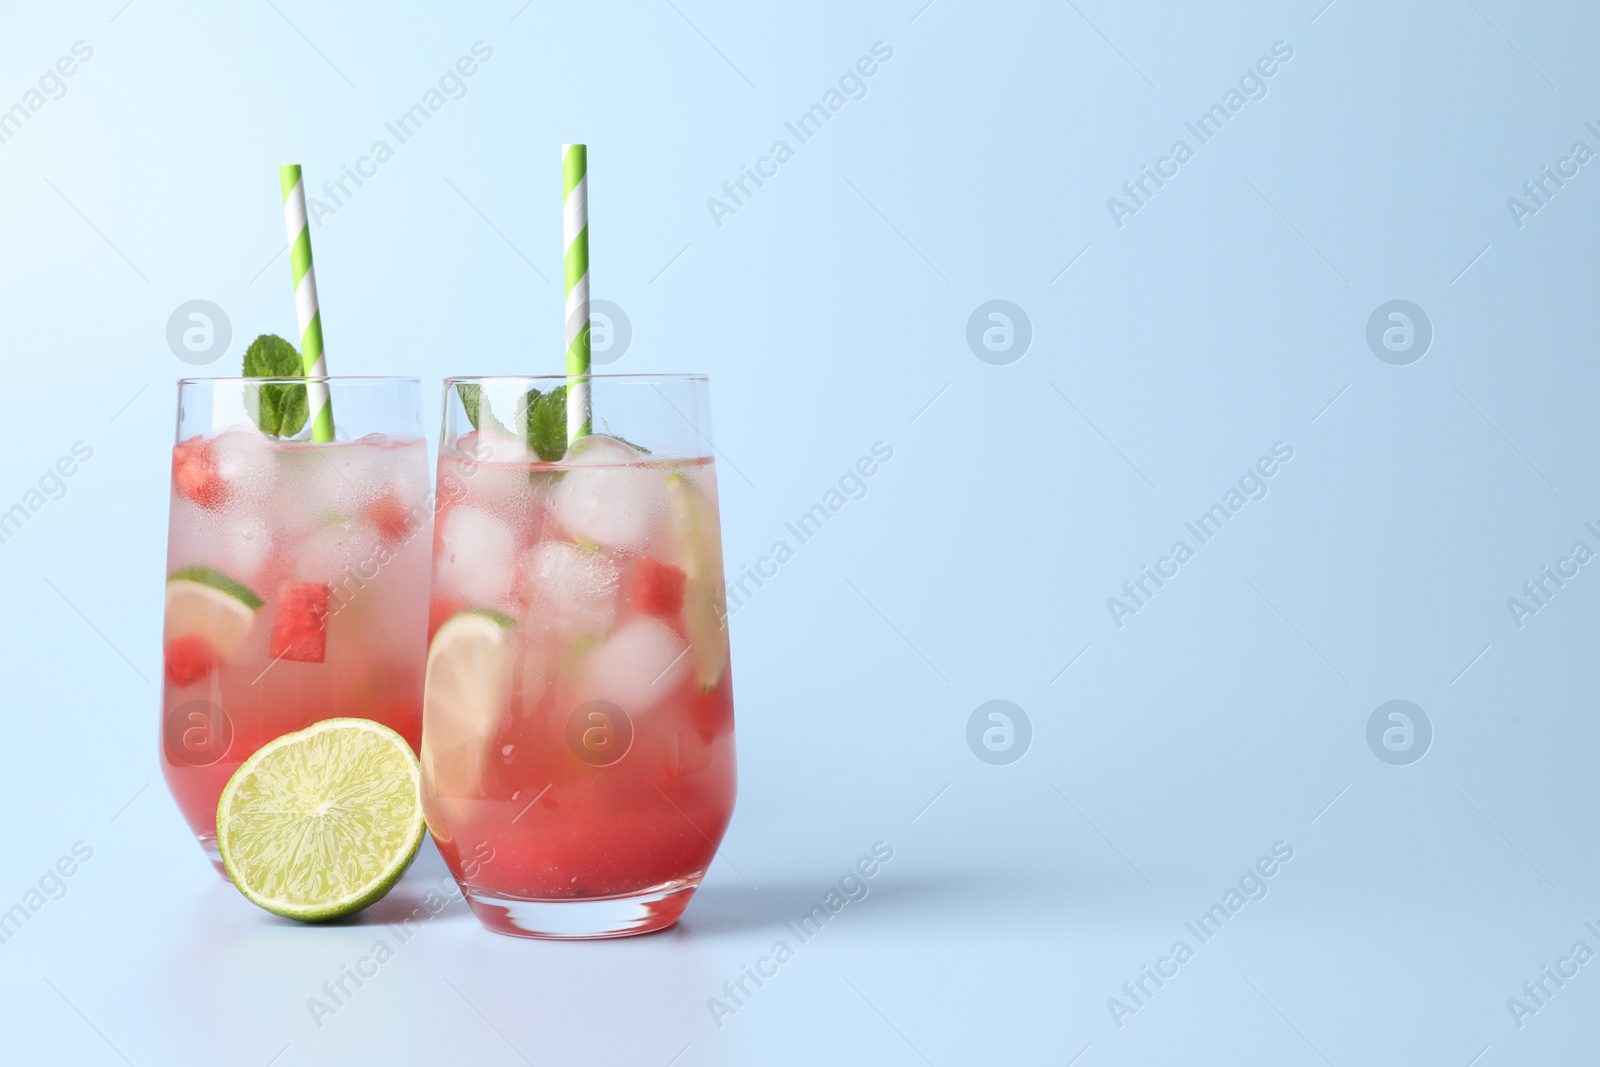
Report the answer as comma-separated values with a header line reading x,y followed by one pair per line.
x,y
196,604
321,823
466,684
210,576
500,618
699,554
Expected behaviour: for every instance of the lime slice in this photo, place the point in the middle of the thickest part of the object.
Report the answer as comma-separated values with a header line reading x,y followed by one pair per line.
x,y
464,694
698,538
208,603
323,822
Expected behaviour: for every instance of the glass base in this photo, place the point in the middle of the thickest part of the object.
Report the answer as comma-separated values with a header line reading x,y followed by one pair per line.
x,y
584,918
208,843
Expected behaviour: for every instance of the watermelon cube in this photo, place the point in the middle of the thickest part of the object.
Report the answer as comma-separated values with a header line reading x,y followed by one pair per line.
x,y
301,632
391,518
190,658
657,588
195,475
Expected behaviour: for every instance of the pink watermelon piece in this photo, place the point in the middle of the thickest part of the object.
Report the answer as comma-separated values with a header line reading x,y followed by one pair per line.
x,y
391,518
189,659
657,588
195,475
301,632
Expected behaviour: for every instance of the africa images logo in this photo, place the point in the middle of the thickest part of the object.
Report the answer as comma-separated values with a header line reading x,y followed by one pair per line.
x,y
1399,732
999,332
1399,332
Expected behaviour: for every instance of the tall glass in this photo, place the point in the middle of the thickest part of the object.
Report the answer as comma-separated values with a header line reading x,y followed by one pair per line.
x,y
297,576
577,742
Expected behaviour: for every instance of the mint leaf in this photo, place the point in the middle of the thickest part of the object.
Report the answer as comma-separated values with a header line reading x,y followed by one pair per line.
x,y
479,413
471,399
547,423
630,444
293,407
270,356
280,409
523,415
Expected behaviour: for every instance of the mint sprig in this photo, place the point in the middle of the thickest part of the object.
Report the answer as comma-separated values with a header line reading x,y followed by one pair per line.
x,y
543,417
279,408
479,413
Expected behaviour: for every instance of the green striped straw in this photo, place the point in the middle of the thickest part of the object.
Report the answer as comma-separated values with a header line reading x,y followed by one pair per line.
x,y
575,238
312,361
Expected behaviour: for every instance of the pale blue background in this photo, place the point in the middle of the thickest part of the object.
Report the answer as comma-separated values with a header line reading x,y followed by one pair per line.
x,y
830,310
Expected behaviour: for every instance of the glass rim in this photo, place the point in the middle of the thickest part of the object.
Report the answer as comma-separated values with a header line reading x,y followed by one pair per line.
x,y
641,378
374,379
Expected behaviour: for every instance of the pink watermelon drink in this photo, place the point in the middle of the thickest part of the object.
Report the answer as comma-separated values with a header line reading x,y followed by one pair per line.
x,y
297,577
578,753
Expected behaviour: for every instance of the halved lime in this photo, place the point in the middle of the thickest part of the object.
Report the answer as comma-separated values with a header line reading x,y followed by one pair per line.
x,y
698,538
464,695
322,822
205,602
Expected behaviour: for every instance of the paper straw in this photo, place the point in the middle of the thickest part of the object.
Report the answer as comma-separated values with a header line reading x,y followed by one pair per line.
x,y
575,238
314,365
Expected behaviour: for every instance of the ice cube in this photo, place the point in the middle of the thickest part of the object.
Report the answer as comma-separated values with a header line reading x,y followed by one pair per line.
x,y
244,542
234,542
605,497
641,663
377,465
337,551
491,447
352,474
409,478
570,591
477,557
310,486
490,467
246,461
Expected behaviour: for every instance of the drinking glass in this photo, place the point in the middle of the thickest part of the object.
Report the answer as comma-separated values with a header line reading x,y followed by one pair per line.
x,y
297,575
577,740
